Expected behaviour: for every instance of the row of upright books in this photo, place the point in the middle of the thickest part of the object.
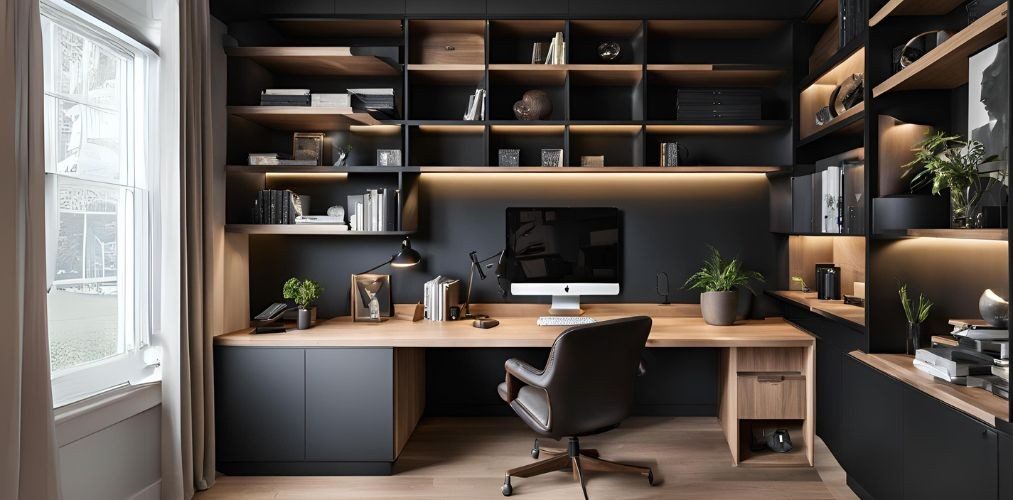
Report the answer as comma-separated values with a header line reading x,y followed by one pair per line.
x,y
374,210
439,295
277,206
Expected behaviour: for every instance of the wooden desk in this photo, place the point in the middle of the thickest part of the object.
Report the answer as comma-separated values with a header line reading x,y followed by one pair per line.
x,y
833,309
766,373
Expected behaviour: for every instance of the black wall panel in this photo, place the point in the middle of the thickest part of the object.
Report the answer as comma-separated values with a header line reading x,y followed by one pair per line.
x,y
444,7
667,223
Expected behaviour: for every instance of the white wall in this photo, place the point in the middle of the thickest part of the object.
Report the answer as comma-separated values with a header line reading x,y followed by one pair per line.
x,y
118,462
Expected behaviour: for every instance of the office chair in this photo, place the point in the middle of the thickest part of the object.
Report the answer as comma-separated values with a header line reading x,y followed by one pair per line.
x,y
585,388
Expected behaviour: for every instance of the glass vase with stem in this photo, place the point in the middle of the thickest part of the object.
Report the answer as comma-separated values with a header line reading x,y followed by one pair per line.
x,y
914,338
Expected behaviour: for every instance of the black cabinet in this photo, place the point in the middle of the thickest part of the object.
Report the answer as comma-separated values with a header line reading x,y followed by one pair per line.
x,y
872,451
1005,466
300,7
528,8
829,363
349,404
259,400
946,453
370,8
445,7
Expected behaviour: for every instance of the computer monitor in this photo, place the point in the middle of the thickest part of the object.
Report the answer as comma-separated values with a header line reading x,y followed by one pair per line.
x,y
563,252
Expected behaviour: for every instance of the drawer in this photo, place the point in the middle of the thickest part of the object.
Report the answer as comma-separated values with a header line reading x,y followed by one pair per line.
x,y
770,359
772,396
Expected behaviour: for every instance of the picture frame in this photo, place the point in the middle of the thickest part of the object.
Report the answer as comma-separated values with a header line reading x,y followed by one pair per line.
x,y
988,103
366,287
552,157
388,157
308,146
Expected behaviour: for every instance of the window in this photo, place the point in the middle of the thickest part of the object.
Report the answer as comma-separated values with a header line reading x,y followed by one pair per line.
x,y
98,103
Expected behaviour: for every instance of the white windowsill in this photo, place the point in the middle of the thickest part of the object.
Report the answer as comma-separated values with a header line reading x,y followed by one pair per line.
x,y
88,416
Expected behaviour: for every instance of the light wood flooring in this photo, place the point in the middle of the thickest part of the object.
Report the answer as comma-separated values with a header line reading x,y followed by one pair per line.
x,y
465,458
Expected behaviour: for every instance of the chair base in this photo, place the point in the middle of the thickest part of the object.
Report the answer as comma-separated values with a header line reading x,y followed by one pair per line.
x,y
571,458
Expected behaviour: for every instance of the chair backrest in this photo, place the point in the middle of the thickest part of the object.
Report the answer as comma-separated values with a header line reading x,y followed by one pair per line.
x,y
591,371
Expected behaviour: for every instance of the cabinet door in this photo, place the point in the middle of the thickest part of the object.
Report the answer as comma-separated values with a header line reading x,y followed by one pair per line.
x,y
349,404
302,7
259,405
528,8
371,8
829,363
872,427
1005,466
946,453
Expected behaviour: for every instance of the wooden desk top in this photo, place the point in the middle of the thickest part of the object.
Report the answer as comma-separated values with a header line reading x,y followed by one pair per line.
x,y
830,308
673,327
971,400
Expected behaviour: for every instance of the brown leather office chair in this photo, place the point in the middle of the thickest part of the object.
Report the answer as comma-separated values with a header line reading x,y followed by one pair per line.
x,y
585,388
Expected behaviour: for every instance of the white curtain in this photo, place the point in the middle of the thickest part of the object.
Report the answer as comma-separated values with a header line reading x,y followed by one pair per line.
x,y
27,434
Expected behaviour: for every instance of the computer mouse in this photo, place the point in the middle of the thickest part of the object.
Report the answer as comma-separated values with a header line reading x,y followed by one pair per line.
x,y
485,323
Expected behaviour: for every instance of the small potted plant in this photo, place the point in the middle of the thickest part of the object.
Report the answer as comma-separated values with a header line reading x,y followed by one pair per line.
x,y
916,315
718,281
304,293
947,162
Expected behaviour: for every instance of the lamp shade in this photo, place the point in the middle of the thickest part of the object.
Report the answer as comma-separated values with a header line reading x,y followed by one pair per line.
x,y
407,256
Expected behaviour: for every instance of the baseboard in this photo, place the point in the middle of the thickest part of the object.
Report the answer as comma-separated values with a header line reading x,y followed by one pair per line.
x,y
152,491
857,488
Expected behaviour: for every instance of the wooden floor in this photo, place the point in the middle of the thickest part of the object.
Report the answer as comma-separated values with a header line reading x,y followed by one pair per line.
x,y
465,458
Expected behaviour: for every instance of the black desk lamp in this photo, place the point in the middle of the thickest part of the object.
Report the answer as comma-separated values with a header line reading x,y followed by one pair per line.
x,y
406,257
476,265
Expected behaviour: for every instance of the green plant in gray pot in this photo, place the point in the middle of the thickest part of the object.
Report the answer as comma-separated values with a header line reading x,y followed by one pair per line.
x,y
948,162
916,314
304,293
718,281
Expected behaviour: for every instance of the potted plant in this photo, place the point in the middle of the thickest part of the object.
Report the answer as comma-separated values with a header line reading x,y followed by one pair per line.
x,y
718,280
303,293
947,162
916,315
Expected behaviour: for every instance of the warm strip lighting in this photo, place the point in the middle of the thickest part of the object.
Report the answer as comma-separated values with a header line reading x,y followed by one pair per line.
x,y
494,177
296,175
375,129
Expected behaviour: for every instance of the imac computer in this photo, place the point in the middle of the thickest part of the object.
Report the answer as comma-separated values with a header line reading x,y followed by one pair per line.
x,y
563,252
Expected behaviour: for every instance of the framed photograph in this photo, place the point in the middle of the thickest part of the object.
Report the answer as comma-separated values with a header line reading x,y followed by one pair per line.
x,y
988,103
592,161
552,157
388,157
308,146
372,292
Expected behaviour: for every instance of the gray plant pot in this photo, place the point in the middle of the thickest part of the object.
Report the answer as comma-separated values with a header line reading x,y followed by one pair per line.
x,y
307,318
719,308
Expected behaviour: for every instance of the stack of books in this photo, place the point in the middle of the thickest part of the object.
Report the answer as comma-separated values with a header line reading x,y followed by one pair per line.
x,y
439,295
338,223
718,104
374,210
980,359
285,97
277,159
331,100
276,206
374,101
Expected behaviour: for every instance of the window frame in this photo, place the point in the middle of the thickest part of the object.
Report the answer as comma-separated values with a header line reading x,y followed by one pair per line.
x,y
137,221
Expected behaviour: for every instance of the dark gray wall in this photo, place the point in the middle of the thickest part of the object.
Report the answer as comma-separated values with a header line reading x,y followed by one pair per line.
x,y
668,221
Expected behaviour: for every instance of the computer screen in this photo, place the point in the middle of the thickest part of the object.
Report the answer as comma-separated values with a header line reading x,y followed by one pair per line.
x,y
562,245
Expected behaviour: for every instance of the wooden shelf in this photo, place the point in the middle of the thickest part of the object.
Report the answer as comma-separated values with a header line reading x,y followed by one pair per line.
x,y
849,122
305,229
686,127
833,309
449,74
713,29
914,8
973,401
328,61
724,75
528,74
945,67
303,118
823,12
715,169
798,456
962,234
302,170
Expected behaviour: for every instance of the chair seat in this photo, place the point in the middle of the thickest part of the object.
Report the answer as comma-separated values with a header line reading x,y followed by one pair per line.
x,y
533,401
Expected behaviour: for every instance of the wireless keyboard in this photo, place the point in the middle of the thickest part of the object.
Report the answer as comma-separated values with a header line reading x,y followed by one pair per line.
x,y
565,320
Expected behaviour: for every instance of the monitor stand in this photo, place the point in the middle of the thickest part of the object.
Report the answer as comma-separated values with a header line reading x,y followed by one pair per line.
x,y
565,305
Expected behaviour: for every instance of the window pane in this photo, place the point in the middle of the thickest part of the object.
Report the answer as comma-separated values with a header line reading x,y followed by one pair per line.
x,y
84,304
88,141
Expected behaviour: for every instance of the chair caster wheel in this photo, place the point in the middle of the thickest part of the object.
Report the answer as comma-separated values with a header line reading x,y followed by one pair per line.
x,y
650,478
507,490
534,450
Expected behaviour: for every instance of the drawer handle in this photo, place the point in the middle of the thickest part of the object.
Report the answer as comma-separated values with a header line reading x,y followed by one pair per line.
x,y
770,379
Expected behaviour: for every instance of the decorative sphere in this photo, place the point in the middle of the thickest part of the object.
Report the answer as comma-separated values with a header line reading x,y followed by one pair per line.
x,y
994,309
534,105
336,211
609,51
